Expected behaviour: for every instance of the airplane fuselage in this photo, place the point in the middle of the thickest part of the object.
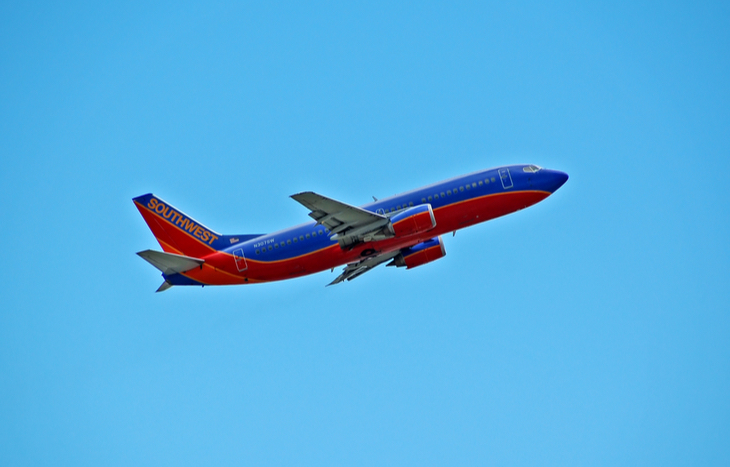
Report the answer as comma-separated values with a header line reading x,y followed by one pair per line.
x,y
309,248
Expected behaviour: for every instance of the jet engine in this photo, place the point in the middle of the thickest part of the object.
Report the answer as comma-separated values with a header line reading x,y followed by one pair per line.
x,y
420,254
412,221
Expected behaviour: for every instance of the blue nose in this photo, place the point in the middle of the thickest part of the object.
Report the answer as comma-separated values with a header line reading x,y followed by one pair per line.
x,y
554,179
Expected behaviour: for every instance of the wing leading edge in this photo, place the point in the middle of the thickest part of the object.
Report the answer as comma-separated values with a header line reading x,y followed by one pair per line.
x,y
348,223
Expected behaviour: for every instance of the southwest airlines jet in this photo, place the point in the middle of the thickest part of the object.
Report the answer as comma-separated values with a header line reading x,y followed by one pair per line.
x,y
403,230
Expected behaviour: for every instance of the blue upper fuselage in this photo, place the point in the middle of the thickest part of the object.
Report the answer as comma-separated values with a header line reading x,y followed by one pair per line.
x,y
310,237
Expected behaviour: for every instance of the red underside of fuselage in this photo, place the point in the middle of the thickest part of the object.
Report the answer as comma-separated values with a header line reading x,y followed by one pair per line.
x,y
220,268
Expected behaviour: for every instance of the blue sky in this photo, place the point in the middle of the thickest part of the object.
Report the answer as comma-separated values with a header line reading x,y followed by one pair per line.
x,y
590,329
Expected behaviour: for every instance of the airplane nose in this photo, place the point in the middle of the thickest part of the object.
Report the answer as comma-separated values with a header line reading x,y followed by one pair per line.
x,y
555,179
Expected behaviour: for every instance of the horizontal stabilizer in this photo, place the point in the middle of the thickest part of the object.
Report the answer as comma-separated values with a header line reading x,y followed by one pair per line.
x,y
170,263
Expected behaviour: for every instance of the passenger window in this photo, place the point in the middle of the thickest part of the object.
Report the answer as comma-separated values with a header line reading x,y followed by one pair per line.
x,y
448,192
410,204
461,188
301,238
295,239
282,244
270,249
481,183
258,252
276,245
392,209
430,198
493,179
309,236
288,242
398,207
442,194
436,196
468,186
473,185
423,200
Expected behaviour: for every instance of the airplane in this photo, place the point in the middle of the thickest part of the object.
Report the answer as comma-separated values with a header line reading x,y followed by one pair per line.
x,y
403,230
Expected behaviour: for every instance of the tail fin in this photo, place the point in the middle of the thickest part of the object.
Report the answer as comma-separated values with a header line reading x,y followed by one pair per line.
x,y
179,233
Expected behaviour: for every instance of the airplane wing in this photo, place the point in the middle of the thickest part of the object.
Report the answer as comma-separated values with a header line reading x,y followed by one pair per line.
x,y
353,270
342,219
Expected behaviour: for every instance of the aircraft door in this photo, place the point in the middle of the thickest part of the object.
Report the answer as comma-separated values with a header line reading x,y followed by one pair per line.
x,y
506,178
240,260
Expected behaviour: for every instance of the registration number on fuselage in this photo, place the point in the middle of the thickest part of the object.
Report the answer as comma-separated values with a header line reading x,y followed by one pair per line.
x,y
264,243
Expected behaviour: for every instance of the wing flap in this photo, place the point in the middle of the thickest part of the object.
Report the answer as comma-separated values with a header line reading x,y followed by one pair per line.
x,y
354,270
337,216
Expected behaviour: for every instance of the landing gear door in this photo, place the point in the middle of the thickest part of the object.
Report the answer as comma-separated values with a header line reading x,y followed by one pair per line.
x,y
240,259
506,178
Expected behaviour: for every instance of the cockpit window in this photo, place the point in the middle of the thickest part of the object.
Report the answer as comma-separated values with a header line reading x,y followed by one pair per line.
x,y
532,168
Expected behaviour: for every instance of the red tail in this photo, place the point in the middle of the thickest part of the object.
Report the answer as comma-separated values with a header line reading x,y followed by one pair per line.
x,y
177,232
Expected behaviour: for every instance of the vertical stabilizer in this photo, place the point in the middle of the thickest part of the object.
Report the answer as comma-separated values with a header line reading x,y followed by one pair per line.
x,y
179,233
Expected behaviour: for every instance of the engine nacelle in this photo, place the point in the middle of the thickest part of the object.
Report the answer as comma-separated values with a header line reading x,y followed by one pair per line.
x,y
414,220
419,254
